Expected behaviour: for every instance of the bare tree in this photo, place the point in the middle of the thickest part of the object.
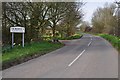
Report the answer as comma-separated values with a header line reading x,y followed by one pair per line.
x,y
103,20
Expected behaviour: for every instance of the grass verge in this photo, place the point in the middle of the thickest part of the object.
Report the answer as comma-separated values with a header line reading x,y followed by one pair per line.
x,y
75,36
18,54
115,41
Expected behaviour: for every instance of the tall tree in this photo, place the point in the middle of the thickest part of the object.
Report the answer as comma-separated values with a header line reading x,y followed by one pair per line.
x,y
56,14
36,17
103,20
73,17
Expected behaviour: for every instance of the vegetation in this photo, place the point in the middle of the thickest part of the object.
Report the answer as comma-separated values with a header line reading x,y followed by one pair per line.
x,y
103,20
43,21
85,26
19,54
107,24
39,17
113,39
75,36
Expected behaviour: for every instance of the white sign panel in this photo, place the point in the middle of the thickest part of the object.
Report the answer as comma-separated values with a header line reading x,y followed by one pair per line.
x,y
17,29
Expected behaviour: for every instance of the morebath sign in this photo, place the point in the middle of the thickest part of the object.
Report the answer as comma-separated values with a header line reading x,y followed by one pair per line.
x,y
17,30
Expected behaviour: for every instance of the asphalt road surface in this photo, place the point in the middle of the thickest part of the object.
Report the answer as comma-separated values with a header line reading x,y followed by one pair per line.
x,y
88,57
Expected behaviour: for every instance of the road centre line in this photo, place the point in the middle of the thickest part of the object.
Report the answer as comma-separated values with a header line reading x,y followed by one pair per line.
x,y
89,43
77,57
80,53
91,37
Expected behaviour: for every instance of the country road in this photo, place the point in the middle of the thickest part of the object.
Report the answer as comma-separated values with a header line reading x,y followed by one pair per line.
x,y
88,57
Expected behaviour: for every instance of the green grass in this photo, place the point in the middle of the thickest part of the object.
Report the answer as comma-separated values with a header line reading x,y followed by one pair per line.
x,y
30,49
115,41
75,36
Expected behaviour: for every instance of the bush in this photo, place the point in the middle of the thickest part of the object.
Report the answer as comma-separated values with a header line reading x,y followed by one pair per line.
x,y
6,48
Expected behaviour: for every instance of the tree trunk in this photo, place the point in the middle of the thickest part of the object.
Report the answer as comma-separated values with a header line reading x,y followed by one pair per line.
x,y
118,26
53,30
54,34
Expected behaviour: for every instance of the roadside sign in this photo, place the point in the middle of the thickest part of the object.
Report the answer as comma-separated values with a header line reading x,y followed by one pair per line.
x,y
17,30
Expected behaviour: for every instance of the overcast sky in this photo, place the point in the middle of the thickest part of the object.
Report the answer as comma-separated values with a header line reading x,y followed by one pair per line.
x,y
91,6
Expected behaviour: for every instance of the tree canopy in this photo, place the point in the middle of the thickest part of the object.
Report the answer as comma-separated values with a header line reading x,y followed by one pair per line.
x,y
37,17
103,20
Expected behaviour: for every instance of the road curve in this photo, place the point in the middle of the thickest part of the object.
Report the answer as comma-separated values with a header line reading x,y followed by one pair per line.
x,y
88,57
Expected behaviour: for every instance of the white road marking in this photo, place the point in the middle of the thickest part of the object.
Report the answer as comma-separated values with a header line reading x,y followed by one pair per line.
x,y
76,57
89,43
97,36
91,38
80,53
